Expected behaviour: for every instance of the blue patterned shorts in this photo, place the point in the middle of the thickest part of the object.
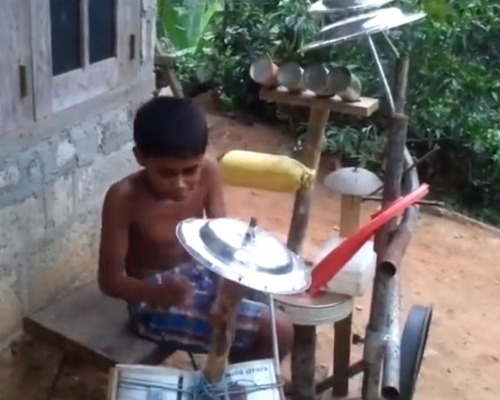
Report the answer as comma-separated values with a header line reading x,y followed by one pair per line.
x,y
190,327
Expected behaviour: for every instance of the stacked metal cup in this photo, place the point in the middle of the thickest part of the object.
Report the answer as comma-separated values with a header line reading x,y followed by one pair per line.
x,y
327,80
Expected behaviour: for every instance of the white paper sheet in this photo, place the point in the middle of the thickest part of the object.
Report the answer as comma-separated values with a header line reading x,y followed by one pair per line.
x,y
257,380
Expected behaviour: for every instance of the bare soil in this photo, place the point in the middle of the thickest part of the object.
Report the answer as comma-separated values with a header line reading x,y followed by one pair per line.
x,y
451,265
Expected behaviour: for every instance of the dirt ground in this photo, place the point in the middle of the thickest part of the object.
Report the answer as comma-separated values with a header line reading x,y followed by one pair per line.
x,y
449,264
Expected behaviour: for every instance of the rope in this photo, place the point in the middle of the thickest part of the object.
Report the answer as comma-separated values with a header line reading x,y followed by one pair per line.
x,y
201,390
205,390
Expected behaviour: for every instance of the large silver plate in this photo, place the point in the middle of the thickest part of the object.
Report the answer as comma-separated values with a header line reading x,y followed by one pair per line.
x,y
260,262
362,25
326,7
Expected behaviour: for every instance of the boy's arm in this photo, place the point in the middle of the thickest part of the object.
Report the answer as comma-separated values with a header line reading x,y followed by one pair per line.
x,y
214,201
113,249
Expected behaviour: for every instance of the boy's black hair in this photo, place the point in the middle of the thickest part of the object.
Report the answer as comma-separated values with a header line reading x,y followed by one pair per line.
x,y
170,127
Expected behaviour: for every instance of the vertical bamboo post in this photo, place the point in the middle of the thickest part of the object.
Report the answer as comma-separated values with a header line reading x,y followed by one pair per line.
x,y
304,345
383,306
392,355
350,214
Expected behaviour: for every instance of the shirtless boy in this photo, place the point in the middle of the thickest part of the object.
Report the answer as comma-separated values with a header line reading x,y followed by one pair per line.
x,y
169,296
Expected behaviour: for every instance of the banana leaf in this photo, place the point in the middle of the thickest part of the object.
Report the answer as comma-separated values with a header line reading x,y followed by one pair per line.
x,y
185,26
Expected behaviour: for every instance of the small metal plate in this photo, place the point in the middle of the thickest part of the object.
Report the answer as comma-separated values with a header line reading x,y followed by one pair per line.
x,y
323,300
362,25
325,309
258,261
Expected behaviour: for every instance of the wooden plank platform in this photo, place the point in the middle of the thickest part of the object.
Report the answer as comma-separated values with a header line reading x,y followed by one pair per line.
x,y
365,107
91,326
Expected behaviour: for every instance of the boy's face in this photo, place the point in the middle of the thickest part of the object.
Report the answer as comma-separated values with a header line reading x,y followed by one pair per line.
x,y
173,178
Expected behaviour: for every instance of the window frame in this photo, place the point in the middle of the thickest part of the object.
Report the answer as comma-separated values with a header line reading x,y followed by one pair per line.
x,y
16,103
56,93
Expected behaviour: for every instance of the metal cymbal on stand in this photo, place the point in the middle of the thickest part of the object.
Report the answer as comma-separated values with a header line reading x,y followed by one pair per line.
x,y
364,26
244,254
249,256
329,7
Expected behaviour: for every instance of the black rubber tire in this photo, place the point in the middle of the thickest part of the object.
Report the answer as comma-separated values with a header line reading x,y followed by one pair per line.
x,y
413,343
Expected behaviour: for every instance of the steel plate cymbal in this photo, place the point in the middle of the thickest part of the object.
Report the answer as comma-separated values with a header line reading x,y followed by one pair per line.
x,y
256,260
326,7
362,25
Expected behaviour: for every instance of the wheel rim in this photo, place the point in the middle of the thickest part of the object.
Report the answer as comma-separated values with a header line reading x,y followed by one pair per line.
x,y
413,344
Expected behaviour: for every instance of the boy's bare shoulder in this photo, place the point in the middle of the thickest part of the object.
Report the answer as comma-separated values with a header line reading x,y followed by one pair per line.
x,y
123,191
211,168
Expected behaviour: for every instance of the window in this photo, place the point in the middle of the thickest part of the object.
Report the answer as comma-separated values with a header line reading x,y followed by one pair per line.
x,y
65,36
102,30
82,48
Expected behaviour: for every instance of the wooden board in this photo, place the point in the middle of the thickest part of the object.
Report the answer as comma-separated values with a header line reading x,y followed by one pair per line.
x,y
93,327
165,60
365,107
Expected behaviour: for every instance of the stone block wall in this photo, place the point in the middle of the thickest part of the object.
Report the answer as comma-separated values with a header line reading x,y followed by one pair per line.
x,y
54,173
51,194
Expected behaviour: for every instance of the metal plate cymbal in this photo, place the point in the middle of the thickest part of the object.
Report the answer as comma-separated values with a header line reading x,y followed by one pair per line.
x,y
326,7
362,25
258,261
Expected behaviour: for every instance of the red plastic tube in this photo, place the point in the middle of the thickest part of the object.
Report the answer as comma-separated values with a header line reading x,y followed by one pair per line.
x,y
331,265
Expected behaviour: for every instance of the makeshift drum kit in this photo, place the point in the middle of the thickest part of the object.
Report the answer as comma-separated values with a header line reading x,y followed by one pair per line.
x,y
246,256
249,257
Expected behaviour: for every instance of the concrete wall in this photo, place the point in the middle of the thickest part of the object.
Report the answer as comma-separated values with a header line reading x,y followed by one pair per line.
x,y
50,199
53,177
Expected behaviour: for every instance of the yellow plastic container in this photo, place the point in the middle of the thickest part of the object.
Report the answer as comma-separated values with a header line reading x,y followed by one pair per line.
x,y
264,171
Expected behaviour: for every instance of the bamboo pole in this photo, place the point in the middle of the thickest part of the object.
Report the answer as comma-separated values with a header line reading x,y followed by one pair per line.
x,y
350,217
385,306
304,345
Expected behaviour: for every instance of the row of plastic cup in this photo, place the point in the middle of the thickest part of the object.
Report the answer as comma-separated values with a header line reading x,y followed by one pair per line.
x,y
324,80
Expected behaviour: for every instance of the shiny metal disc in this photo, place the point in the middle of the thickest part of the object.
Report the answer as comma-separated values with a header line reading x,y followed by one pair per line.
x,y
362,25
326,7
258,261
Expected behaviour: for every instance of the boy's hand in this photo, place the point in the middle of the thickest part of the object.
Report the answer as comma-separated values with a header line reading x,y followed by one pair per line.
x,y
176,291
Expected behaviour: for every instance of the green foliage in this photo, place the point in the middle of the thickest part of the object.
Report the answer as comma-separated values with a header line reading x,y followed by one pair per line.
x,y
185,29
184,26
454,96
454,87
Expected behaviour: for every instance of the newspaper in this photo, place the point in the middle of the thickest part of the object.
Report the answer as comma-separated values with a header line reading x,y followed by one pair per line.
x,y
255,380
